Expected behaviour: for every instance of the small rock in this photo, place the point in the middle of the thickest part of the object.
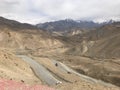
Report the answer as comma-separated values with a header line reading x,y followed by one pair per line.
x,y
22,81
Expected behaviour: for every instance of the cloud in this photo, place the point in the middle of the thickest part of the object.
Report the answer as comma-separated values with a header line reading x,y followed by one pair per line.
x,y
35,11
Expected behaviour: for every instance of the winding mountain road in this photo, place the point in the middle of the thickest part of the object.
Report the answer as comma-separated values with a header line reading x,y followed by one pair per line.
x,y
40,71
47,76
65,68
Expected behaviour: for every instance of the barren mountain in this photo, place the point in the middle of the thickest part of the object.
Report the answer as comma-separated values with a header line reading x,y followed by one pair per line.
x,y
34,56
104,40
26,37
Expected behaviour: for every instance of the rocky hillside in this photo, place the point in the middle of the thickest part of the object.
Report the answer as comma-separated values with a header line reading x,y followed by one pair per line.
x,y
18,36
106,40
102,42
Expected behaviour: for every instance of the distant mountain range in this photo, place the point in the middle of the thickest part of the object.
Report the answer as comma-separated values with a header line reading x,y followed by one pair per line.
x,y
69,24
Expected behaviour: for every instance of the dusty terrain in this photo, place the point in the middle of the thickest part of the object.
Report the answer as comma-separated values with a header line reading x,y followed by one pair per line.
x,y
64,58
12,68
84,86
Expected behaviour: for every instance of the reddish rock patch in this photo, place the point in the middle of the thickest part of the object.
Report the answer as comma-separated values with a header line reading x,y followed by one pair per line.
x,y
12,85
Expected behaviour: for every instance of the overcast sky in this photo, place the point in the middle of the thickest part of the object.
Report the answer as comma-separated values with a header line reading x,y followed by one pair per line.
x,y
36,11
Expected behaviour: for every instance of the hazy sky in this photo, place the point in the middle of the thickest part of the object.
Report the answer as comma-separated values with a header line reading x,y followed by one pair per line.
x,y
35,11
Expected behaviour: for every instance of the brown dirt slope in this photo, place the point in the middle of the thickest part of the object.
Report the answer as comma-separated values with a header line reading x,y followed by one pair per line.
x,y
13,68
